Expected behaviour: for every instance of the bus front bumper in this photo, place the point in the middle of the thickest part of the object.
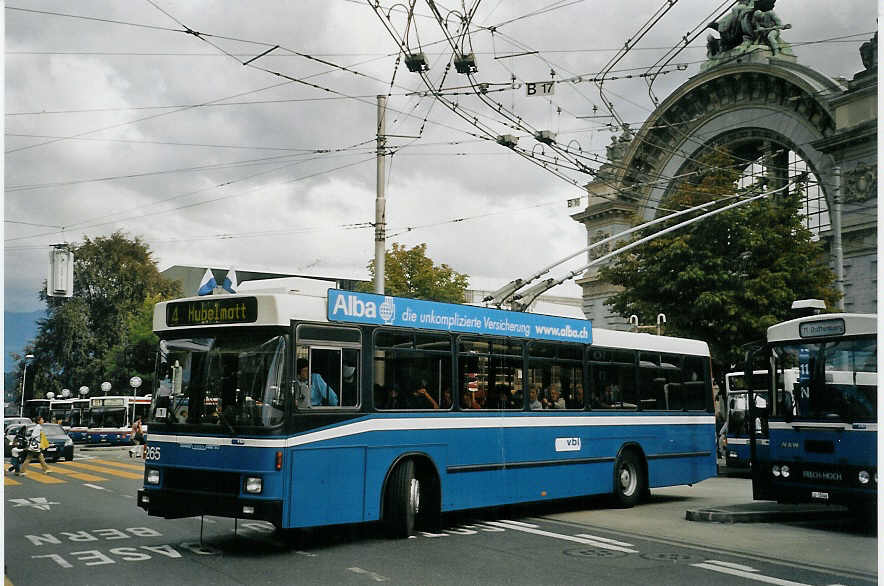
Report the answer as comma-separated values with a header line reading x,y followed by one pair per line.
x,y
176,505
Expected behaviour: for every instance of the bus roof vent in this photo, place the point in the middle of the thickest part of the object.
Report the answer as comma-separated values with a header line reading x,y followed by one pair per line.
x,y
804,307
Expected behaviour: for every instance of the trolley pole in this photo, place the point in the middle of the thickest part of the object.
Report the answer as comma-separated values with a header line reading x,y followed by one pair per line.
x,y
380,204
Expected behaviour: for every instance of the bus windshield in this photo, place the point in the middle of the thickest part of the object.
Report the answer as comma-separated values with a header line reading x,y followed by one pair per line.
x,y
830,380
227,381
107,417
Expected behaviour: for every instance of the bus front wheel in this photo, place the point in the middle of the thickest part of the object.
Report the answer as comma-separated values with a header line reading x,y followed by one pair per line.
x,y
629,479
403,500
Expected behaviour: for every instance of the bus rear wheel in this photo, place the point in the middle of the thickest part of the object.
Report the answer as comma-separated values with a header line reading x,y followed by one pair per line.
x,y
629,479
403,500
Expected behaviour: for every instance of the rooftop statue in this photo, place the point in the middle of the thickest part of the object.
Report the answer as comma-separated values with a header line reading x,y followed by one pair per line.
x,y
868,51
749,26
767,26
735,27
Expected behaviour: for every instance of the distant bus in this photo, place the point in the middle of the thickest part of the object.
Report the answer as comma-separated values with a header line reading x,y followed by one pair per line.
x,y
111,417
79,420
60,412
822,420
34,408
737,439
311,411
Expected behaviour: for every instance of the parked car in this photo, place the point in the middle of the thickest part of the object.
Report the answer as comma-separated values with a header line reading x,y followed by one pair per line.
x,y
7,421
60,444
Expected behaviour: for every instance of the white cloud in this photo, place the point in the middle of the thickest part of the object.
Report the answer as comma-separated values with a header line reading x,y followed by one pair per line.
x,y
291,218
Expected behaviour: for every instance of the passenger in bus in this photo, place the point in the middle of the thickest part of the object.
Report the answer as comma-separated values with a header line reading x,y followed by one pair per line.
x,y
393,399
576,401
610,397
501,397
555,400
420,398
446,398
533,402
320,391
468,402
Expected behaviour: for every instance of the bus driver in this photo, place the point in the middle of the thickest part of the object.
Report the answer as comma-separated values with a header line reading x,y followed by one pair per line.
x,y
320,391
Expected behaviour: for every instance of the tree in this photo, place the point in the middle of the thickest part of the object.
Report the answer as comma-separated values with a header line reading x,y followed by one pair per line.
x,y
101,333
726,278
409,273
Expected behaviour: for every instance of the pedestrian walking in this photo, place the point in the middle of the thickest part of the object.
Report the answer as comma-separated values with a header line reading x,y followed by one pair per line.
x,y
37,442
138,438
19,450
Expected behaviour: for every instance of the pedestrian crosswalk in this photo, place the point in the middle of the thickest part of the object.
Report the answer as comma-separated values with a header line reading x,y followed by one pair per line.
x,y
95,470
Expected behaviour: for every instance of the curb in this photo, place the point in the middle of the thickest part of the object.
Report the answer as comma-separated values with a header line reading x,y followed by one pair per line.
x,y
758,516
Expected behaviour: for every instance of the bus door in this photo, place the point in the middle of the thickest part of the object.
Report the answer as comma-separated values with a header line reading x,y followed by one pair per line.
x,y
325,482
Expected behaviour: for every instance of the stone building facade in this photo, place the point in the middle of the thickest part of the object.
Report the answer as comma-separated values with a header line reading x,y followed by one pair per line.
x,y
753,102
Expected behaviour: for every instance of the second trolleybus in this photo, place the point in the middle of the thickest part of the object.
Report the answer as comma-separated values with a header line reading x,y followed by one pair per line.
x,y
822,418
355,407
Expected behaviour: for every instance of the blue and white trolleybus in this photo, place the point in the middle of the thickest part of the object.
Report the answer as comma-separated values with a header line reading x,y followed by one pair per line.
x,y
355,407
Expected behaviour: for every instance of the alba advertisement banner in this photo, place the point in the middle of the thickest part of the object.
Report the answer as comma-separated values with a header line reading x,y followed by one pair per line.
x,y
370,308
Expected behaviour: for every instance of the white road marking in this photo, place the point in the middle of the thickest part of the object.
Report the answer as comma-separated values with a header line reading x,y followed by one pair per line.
x,y
520,524
306,554
372,575
95,486
41,503
584,541
748,573
732,565
605,540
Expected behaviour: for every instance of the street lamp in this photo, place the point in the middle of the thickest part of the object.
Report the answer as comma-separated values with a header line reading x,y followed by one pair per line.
x,y
106,387
21,407
134,382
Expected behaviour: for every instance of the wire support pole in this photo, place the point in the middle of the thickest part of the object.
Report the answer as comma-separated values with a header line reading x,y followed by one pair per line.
x,y
380,204
837,246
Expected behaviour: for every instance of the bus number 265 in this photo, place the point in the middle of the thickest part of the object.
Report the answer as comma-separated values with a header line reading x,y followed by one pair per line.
x,y
152,453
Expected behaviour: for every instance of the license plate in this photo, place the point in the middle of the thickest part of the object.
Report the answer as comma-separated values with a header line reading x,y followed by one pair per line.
x,y
819,495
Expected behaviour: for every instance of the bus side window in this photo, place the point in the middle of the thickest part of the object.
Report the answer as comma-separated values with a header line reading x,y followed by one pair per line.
x,y
695,388
613,379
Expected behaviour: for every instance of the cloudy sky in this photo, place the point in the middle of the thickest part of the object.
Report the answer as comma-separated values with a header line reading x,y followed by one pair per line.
x,y
153,117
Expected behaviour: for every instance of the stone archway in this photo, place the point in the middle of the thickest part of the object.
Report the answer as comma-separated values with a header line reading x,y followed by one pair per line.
x,y
752,104
739,106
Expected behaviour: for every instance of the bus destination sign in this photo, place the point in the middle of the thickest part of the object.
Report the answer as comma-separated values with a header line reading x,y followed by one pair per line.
x,y
826,327
217,311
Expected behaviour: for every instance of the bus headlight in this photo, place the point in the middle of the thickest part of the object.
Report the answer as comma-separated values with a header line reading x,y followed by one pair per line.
x,y
784,470
254,484
863,477
153,476
775,470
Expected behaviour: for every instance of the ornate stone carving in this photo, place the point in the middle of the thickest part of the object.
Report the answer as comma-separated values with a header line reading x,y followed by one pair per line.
x,y
603,249
860,184
868,51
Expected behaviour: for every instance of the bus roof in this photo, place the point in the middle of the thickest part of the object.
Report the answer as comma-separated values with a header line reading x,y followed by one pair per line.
x,y
824,325
278,309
